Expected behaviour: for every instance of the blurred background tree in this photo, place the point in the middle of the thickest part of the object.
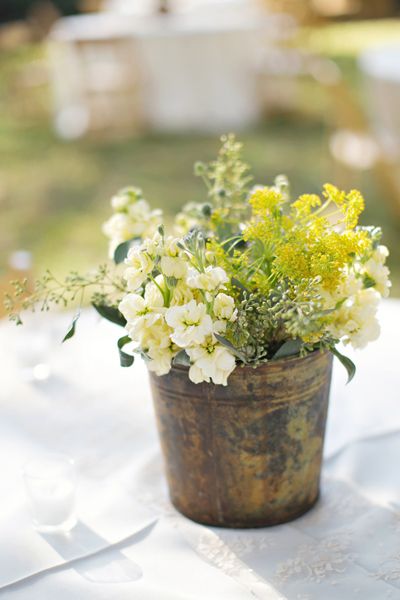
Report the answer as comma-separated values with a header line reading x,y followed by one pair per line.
x,y
11,10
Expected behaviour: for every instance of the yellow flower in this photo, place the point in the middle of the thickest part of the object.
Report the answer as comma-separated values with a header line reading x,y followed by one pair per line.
x,y
265,200
305,203
351,204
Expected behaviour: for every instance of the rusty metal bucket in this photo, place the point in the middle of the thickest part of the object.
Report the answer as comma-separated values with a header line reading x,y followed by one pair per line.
x,y
249,454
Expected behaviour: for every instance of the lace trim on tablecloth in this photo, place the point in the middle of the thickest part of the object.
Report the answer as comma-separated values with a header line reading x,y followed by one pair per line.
x,y
322,552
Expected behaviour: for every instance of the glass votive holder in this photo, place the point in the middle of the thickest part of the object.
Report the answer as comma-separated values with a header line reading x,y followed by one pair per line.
x,y
50,483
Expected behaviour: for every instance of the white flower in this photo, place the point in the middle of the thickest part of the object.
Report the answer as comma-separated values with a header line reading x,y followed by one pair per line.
x,y
157,337
224,307
140,265
211,362
118,229
349,286
120,201
173,262
355,321
181,294
212,279
144,221
138,314
133,218
190,323
160,361
139,210
376,270
173,266
132,306
171,246
153,294
155,341
125,197
153,245
381,254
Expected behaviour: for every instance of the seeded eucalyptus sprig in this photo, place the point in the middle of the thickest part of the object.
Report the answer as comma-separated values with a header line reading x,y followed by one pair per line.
x,y
102,287
266,323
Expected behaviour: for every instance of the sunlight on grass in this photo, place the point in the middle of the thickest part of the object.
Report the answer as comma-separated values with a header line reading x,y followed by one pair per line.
x,y
349,39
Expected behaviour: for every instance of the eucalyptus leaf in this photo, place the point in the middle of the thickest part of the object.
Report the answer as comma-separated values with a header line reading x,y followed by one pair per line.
x,y
181,359
288,348
110,313
231,347
126,360
346,362
71,330
121,251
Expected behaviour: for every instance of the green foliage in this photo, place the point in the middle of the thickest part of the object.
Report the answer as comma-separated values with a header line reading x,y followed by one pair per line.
x,y
126,360
104,286
346,362
181,359
71,330
110,313
266,323
289,348
121,252
227,181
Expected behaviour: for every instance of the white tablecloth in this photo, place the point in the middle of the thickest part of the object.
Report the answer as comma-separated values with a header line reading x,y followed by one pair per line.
x,y
347,547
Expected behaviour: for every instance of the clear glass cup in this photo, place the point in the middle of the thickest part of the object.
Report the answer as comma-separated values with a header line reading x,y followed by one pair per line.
x,y
50,483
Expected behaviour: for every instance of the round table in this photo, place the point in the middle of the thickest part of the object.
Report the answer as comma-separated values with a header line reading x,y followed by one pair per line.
x,y
346,547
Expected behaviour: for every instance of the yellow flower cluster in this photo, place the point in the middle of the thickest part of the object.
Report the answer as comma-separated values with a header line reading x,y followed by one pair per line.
x,y
265,201
351,204
306,241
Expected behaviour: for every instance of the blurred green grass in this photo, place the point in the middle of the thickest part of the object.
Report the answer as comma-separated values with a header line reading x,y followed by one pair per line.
x,y
54,195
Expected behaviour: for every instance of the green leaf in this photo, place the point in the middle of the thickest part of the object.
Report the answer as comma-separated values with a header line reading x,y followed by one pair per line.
x,y
368,281
121,252
110,313
289,348
126,360
231,347
71,330
181,359
346,362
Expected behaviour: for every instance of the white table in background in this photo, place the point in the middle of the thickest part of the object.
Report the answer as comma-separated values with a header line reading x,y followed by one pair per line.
x,y
195,71
381,69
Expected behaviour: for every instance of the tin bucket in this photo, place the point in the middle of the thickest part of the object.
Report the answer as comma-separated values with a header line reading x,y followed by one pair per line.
x,y
248,454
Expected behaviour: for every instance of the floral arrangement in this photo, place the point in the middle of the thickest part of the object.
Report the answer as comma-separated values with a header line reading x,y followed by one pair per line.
x,y
246,277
